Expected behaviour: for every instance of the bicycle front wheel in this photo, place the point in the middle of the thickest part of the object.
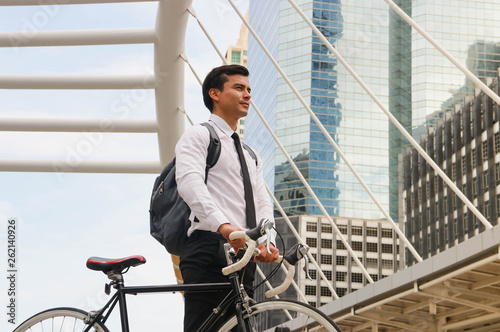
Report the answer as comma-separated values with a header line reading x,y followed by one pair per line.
x,y
285,315
60,319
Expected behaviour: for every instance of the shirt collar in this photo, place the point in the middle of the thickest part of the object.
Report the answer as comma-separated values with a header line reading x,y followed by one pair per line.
x,y
221,124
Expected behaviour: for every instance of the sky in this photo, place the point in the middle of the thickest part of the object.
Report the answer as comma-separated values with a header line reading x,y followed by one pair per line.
x,y
64,218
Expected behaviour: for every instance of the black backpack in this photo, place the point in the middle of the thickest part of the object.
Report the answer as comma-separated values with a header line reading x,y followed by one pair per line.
x,y
168,213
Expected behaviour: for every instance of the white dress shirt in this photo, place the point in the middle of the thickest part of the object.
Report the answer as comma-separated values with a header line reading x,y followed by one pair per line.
x,y
222,199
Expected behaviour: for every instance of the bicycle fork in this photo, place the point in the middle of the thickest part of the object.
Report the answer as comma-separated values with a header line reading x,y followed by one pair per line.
x,y
243,300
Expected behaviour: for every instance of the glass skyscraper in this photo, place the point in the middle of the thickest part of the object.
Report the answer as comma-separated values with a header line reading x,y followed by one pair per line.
x,y
423,83
405,72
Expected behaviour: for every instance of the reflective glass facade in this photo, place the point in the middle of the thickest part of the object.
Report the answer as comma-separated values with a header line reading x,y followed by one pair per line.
x,y
343,108
412,79
263,80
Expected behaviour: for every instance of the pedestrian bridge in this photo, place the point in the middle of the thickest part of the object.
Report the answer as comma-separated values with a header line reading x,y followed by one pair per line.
x,y
455,290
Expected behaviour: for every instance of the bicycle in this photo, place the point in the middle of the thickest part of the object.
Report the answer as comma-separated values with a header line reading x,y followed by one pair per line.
x,y
270,315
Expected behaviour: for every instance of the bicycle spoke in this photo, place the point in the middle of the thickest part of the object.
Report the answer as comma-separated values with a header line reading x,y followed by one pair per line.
x,y
59,320
285,315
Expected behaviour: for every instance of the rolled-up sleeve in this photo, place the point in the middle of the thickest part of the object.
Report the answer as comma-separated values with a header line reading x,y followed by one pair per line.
x,y
191,153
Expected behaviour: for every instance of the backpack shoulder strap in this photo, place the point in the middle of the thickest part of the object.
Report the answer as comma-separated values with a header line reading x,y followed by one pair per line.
x,y
214,147
251,152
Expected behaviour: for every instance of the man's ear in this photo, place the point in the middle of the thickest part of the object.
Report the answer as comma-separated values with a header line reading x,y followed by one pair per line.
x,y
214,94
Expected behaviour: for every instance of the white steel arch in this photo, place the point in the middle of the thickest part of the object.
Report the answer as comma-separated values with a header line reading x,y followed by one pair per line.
x,y
171,25
168,37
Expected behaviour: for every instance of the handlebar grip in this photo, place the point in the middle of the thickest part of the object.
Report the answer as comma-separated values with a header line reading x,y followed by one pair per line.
x,y
237,235
246,257
288,280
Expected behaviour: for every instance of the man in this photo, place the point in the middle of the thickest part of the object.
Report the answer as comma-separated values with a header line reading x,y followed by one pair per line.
x,y
219,205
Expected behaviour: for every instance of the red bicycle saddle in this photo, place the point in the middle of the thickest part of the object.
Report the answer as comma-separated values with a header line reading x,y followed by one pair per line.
x,y
114,264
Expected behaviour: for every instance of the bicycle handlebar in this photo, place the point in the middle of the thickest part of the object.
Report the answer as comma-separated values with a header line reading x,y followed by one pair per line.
x,y
246,257
286,283
250,236
291,258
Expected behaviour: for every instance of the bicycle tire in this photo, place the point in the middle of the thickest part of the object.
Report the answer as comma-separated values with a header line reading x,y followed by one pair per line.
x,y
59,319
271,315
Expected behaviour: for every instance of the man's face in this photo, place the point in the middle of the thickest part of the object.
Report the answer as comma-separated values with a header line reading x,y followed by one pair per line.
x,y
234,99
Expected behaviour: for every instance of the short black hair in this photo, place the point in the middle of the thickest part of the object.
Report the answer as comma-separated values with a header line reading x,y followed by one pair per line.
x,y
216,79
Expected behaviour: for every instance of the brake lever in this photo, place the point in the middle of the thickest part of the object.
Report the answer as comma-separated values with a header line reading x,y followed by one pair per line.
x,y
302,253
266,229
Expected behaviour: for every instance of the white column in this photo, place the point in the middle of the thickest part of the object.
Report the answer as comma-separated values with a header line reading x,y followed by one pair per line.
x,y
171,22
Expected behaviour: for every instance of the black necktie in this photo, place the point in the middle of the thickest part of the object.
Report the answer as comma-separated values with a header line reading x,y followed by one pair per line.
x,y
250,207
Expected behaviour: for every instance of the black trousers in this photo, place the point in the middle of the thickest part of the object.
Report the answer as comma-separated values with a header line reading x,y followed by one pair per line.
x,y
203,263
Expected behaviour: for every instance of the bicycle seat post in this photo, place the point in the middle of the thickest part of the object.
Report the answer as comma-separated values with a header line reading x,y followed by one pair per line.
x,y
118,283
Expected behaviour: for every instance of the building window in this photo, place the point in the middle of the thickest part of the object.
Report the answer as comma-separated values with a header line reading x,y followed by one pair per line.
x,y
485,151
387,248
328,274
312,242
311,227
340,245
371,247
387,233
325,291
497,143
357,277
357,246
387,264
374,277
341,291
312,304
371,231
310,290
236,57
312,274
326,259
371,262
340,260
343,229
340,276
353,262
326,228
357,230
326,243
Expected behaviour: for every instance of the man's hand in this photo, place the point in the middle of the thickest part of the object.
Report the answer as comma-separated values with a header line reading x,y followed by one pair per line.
x,y
225,230
266,257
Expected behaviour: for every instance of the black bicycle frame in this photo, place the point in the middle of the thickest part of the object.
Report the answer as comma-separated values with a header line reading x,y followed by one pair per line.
x,y
122,290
